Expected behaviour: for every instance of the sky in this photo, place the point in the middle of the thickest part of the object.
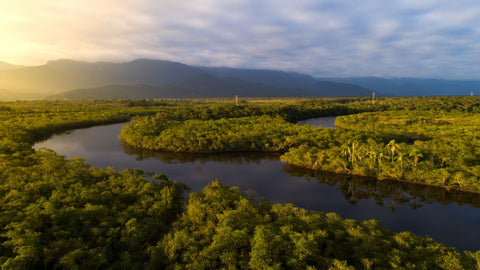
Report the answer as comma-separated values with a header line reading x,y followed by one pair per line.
x,y
324,38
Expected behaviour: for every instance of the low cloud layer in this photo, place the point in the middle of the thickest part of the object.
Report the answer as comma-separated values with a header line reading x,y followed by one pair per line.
x,y
404,38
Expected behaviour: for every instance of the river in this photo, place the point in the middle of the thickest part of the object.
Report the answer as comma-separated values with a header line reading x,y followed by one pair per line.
x,y
451,218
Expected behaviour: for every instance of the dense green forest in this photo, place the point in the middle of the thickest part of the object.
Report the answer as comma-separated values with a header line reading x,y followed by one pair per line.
x,y
430,147
64,214
431,141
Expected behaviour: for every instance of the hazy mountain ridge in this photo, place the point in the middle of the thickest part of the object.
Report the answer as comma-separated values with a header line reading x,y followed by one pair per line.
x,y
8,66
197,87
292,80
62,75
222,87
137,91
158,76
269,77
414,86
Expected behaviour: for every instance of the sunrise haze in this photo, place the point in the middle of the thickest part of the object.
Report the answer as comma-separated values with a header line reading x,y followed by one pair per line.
x,y
438,39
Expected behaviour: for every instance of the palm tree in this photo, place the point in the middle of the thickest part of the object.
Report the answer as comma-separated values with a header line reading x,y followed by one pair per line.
x,y
416,154
392,147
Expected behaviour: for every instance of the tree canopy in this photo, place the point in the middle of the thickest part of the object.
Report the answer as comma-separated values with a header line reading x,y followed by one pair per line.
x,y
64,214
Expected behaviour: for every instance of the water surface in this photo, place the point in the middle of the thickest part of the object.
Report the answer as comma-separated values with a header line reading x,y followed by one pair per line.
x,y
326,122
451,218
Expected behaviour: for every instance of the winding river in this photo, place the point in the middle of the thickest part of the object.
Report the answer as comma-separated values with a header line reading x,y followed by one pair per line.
x,y
451,218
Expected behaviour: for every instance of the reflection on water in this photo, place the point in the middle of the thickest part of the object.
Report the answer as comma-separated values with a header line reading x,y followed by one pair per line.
x,y
326,122
389,193
400,206
232,158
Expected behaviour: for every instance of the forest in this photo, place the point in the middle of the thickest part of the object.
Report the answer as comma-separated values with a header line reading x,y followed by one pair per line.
x,y
65,214
431,141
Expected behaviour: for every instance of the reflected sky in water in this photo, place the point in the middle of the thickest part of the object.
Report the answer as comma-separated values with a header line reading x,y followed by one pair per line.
x,y
326,122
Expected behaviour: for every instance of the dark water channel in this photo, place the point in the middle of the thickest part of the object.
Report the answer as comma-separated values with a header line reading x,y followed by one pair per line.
x,y
451,218
326,122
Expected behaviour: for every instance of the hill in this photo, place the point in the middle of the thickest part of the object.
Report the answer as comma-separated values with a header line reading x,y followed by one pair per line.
x,y
7,66
158,76
198,87
414,86
291,80
62,75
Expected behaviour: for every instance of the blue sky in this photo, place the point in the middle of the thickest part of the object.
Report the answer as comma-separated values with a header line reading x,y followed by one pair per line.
x,y
421,38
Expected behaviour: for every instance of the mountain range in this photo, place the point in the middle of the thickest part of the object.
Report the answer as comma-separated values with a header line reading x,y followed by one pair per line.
x,y
146,78
7,66
414,86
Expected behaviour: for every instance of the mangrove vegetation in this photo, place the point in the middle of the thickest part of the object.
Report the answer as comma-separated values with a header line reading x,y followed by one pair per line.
x,y
432,141
64,214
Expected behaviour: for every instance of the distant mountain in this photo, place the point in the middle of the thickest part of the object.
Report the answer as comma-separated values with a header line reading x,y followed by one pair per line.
x,y
268,77
158,77
146,78
138,91
211,86
414,86
291,80
7,66
62,75
329,88
197,87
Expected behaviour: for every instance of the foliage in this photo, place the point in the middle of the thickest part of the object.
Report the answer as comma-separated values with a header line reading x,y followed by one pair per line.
x,y
223,229
434,148
57,213
430,141
257,133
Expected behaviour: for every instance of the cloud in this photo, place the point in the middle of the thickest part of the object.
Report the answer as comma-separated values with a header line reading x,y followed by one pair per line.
x,y
324,38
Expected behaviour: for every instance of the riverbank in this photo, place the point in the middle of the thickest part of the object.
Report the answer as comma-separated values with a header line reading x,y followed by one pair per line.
x,y
421,145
